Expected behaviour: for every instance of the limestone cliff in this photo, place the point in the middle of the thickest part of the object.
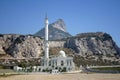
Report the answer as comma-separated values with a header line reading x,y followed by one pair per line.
x,y
98,46
56,44
91,45
57,30
19,46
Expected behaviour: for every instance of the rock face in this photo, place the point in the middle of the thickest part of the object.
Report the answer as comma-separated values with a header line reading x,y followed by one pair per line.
x,y
57,30
59,24
98,45
90,44
56,44
19,46
93,44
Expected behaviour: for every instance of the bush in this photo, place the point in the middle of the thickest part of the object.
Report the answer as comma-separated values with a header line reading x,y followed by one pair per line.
x,y
20,39
64,69
46,70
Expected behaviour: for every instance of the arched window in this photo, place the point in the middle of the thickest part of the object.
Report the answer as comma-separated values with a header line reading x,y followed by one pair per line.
x,y
62,63
70,63
49,63
56,62
67,63
39,69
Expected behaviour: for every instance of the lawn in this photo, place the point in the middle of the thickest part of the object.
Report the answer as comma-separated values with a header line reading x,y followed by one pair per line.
x,y
108,68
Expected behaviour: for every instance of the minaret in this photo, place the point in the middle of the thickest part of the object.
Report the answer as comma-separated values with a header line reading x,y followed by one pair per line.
x,y
46,38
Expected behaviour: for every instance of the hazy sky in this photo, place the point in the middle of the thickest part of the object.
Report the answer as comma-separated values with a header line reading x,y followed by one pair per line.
x,y
80,16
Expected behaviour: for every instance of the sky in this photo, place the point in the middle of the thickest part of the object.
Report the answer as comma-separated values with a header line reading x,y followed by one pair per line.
x,y
80,16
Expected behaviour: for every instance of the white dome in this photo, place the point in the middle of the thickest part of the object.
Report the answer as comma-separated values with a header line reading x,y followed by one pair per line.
x,y
62,53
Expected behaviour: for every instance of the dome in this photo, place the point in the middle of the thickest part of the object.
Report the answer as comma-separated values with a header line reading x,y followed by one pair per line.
x,y
62,53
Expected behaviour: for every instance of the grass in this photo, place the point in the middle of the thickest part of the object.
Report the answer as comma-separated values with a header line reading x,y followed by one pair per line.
x,y
109,68
7,75
7,72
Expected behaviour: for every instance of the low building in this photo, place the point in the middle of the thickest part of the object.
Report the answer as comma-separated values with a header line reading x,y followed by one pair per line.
x,y
61,62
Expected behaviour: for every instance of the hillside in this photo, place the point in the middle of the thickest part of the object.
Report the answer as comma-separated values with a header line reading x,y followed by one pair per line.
x,y
57,30
87,48
20,46
91,48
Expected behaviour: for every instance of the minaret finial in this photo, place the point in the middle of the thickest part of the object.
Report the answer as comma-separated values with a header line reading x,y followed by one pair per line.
x,y
46,17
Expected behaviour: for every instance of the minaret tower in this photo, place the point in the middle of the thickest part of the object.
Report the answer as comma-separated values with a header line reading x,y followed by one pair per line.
x,y
46,38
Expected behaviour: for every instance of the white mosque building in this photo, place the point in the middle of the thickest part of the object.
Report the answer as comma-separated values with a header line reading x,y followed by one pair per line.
x,y
60,63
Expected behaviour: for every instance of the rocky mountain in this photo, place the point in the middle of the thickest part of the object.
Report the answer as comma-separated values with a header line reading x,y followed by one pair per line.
x,y
59,24
96,48
85,46
93,44
20,46
57,30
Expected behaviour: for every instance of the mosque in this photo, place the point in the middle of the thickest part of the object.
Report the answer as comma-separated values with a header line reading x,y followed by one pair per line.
x,y
59,63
